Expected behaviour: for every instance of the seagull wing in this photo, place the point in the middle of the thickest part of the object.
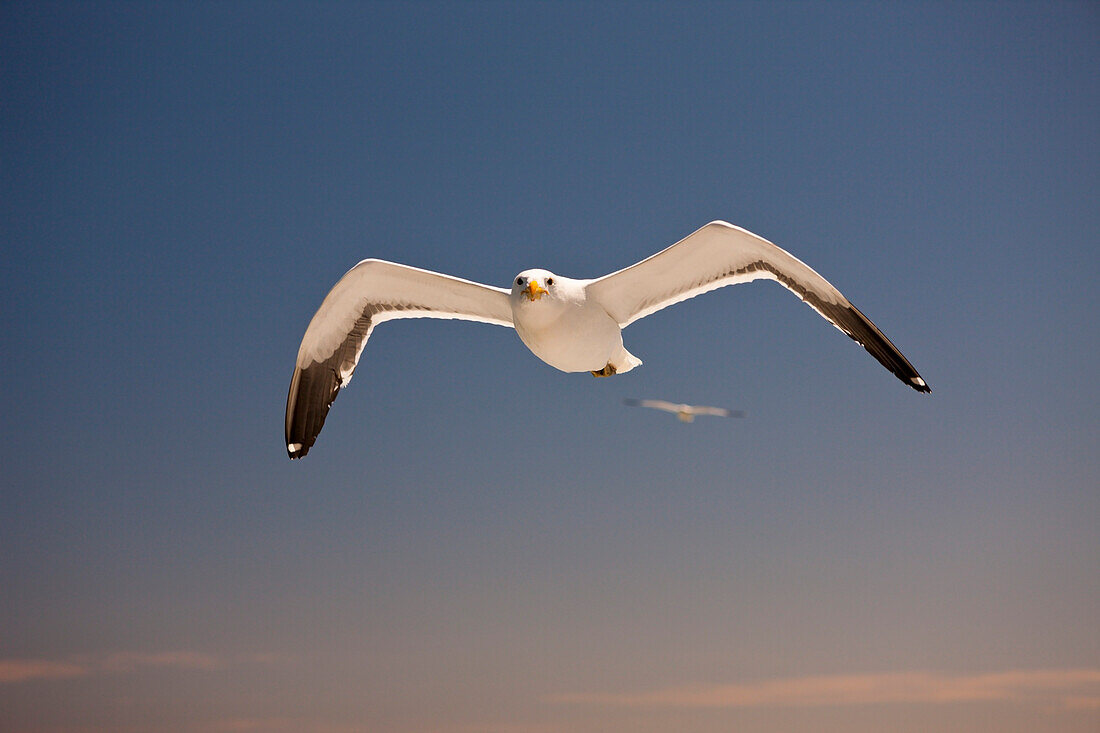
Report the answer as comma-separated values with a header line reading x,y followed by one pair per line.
x,y
661,405
716,411
655,404
368,294
720,254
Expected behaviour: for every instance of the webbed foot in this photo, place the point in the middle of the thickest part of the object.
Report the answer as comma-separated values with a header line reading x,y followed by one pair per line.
x,y
607,371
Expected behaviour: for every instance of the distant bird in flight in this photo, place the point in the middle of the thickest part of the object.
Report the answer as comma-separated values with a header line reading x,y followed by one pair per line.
x,y
686,413
572,325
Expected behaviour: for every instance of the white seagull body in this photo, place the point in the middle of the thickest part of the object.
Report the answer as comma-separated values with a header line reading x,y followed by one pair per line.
x,y
572,325
685,413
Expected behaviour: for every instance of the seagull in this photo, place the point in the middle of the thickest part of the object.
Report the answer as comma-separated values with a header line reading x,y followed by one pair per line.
x,y
572,325
686,413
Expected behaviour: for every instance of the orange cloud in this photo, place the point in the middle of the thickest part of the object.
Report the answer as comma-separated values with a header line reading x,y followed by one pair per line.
x,y
21,670
279,725
1068,687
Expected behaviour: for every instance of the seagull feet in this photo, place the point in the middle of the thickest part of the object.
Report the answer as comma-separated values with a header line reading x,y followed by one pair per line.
x,y
607,371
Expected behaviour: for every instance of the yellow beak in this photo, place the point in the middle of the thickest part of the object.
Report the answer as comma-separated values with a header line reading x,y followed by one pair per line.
x,y
533,291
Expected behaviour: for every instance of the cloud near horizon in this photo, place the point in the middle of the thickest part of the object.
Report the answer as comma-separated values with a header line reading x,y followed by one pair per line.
x,y
1071,688
22,670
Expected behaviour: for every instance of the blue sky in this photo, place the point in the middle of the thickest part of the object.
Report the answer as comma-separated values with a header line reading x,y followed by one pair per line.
x,y
480,543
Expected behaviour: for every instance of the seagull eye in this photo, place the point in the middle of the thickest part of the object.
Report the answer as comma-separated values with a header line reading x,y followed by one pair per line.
x,y
549,281
519,281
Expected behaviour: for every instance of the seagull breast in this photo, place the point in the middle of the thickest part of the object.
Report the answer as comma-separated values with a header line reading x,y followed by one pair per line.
x,y
559,324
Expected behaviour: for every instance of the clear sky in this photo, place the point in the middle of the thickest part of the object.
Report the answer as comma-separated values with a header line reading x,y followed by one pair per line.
x,y
479,543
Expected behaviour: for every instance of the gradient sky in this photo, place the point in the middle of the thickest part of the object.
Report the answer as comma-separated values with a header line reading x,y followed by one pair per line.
x,y
479,543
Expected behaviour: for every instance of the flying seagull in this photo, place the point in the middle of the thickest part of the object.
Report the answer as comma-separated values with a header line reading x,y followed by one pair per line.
x,y
572,325
686,413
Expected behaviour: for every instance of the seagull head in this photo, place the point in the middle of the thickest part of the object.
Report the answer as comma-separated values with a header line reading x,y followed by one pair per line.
x,y
539,298
532,285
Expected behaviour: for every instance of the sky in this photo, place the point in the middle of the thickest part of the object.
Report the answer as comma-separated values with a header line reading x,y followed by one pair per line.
x,y
479,543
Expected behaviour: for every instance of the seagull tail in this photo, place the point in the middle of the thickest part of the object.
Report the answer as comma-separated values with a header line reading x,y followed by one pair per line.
x,y
625,361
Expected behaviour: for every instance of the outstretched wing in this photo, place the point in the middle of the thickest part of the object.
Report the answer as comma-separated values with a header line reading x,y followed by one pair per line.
x,y
716,411
720,254
654,404
680,409
368,294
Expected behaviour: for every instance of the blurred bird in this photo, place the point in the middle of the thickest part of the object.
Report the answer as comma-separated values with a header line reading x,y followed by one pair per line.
x,y
686,413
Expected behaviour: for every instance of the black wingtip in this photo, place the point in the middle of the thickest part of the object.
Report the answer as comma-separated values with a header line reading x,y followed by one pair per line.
x,y
861,330
312,391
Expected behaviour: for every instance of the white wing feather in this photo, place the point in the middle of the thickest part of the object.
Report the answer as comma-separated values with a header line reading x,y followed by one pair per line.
x,y
721,254
400,291
368,294
660,405
709,258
